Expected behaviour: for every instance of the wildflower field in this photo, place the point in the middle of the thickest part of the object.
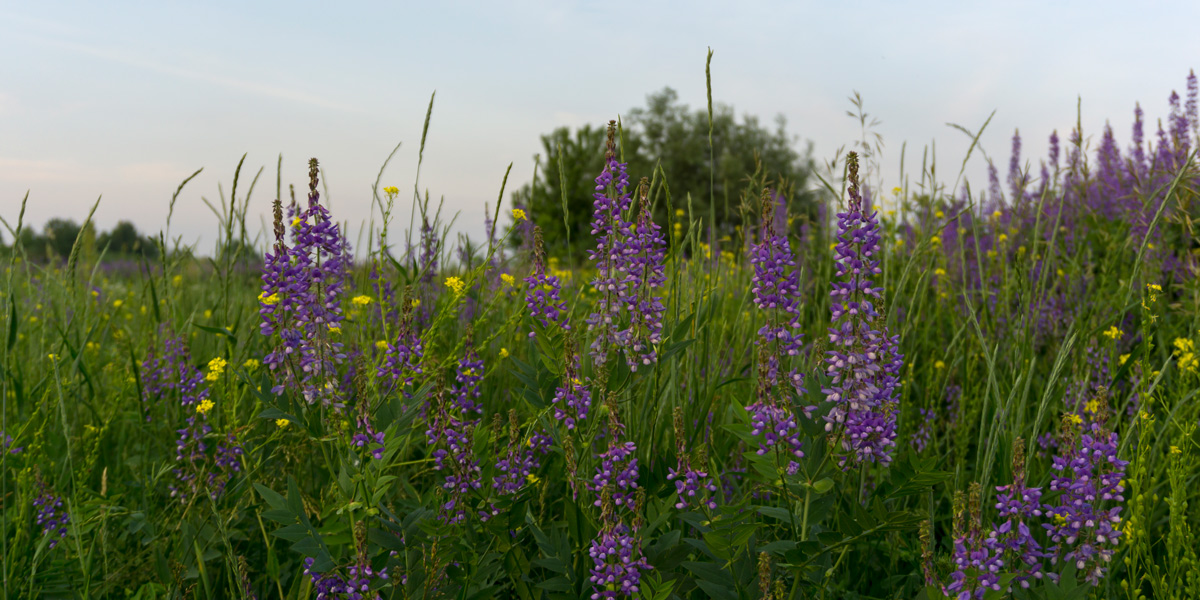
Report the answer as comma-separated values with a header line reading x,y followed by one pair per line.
x,y
924,391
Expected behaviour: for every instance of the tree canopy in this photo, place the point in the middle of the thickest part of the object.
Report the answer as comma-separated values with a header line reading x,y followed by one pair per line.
x,y
668,134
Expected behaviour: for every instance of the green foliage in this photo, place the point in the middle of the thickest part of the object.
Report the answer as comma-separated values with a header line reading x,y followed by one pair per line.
x,y
667,135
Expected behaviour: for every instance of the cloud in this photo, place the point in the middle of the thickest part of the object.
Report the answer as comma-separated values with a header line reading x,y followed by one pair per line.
x,y
232,83
25,171
153,172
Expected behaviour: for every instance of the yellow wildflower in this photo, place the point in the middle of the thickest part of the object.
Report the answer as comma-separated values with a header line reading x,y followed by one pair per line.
x,y
281,423
207,314
361,300
991,253
268,300
507,279
996,215
296,221
679,212
52,356
456,284
117,303
334,329
1092,406
939,214
1002,238
518,215
899,242
95,294
382,345
1176,450
896,191
1121,359
251,364
1113,333
1074,419
416,302
177,280
939,365
216,366
204,406
531,478
391,190
935,240
939,271
504,353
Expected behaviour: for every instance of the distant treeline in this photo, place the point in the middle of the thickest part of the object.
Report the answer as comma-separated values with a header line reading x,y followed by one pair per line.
x,y
58,236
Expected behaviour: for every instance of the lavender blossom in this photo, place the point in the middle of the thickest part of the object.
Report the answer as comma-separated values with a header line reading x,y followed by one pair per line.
x,y
776,289
1089,475
518,464
865,361
691,484
612,254
543,297
301,299
403,356
572,400
1013,541
452,431
645,251
977,567
51,516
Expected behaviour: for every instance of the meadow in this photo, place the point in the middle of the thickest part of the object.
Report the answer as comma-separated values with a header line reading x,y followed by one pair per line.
x,y
920,392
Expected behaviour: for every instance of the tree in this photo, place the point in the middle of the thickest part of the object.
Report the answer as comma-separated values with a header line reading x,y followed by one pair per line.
x,y
667,133
125,239
60,236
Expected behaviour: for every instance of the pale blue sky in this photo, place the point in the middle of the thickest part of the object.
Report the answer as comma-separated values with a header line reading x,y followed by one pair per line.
x,y
127,101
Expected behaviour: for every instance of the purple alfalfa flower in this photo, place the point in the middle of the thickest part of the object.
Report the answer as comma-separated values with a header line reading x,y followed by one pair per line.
x,y
572,400
451,432
543,296
924,433
6,444
692,486
515,469
617,563
302,300
51,516
613,282
1013,540
645,251
1089,475
467,377
864,360
404,354
772,418
976,566
776,289
355,585
617,473
1016,177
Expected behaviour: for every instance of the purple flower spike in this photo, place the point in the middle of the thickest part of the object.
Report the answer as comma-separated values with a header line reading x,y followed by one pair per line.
x,y
865,360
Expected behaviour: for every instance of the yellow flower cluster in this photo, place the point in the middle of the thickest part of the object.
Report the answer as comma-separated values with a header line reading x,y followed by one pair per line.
x,y
504,353
1113,333
382,345
281,423
518,215
456,284
216,366
391,190
204,406
1185,354
251,364
268,300
507,279
361,300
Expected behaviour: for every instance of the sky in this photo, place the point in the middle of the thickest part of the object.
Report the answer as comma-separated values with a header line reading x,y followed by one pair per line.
x,y
122,101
